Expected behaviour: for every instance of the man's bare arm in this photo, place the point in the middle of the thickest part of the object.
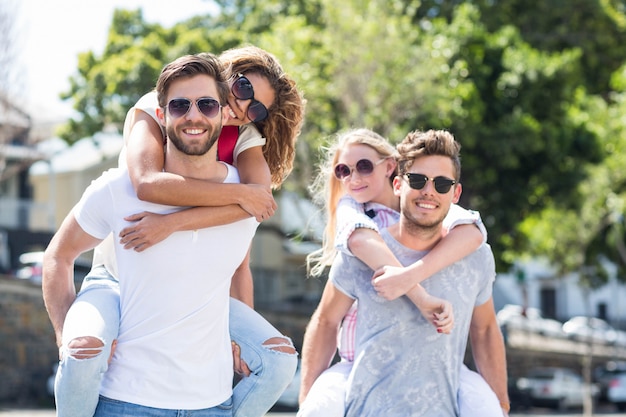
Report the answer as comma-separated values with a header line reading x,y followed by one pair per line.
x,y
320,338
488,350
58,270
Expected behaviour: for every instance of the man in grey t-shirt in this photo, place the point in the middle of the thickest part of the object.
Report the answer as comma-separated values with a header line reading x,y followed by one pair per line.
x,y
402,366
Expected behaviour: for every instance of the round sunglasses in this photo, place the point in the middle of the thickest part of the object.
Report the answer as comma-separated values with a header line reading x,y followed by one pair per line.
x,y
178,107
364,167
242,89
418,181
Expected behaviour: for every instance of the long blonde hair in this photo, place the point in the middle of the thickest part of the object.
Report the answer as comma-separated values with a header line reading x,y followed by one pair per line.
x,y
327,189
286,115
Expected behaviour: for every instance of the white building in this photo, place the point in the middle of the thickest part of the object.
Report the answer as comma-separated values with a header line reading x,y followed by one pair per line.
x,y
561,297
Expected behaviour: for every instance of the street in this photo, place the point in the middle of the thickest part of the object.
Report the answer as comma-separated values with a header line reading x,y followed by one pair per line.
x,y
6,412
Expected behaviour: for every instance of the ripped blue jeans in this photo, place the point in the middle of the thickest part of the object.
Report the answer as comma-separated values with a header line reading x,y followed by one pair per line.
x,y
92,325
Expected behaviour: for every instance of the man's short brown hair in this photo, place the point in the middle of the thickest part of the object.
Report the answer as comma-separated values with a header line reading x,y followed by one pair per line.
x,y
189,66
432,142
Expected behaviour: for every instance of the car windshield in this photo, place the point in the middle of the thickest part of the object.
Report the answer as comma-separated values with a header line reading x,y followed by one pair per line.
x,y
542,375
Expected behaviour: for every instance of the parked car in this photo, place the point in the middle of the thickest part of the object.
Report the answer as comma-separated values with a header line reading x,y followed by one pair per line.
x,y
590,329
519,396
513,316
620,339
603,375
617,391
31,267
556,387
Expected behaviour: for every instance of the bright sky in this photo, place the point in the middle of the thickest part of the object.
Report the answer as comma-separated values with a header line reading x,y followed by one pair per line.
x,y
57,30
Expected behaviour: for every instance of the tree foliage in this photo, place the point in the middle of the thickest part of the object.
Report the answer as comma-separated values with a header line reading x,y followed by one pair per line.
x,y
536,100
588,228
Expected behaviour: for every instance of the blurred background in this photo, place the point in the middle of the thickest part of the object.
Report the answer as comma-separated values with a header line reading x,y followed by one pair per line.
x,y
535,92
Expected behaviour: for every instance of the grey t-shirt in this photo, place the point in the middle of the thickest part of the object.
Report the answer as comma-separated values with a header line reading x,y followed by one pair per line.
x,y
402,366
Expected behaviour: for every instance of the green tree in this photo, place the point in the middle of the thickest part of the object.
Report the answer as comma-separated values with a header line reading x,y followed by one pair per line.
x,y
581,232
507,102
596,27
520,148
106,86
540,136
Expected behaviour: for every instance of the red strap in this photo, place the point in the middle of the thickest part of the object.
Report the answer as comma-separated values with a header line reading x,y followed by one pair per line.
x,y
226,143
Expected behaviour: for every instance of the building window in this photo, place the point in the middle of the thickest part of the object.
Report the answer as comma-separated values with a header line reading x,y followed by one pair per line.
x,y
548,302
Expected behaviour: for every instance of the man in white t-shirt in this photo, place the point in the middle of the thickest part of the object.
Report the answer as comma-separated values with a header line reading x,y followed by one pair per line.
x,y
173,350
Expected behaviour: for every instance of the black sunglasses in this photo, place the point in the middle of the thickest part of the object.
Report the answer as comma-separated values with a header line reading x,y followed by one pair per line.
x,y
418,181
242,89
178,107
363,166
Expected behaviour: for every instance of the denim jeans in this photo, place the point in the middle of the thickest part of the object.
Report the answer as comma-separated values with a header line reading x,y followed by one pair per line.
x,y
113,408
96,313
270,370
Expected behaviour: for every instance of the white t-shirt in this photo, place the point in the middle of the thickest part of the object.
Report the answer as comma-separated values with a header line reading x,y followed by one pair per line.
x,y
173,347
249,137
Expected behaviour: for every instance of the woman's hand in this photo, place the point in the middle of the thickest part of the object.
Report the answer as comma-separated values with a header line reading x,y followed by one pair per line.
x,y
258,201
239,366
391,282
443,317
437,311
148,230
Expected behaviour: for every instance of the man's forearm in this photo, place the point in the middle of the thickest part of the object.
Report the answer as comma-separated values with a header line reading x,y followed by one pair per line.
x,y
58,270
490,359
203,217
318,350
58,293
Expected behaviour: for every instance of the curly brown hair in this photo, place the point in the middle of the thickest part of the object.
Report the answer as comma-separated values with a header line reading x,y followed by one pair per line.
x,y
286,115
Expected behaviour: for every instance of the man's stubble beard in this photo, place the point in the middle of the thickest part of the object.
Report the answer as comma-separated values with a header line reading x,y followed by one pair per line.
x,y
419,227
213,135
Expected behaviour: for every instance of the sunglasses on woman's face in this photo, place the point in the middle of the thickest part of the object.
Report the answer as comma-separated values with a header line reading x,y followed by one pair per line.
x,y
178,107
242,89
364,167
418,181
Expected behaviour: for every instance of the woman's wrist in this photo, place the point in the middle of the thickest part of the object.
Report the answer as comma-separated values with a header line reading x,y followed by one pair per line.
x,y
414,272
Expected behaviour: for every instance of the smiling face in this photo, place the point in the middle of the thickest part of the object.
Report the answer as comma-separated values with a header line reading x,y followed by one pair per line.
x,y
365,187
192,133
426,208
238,109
